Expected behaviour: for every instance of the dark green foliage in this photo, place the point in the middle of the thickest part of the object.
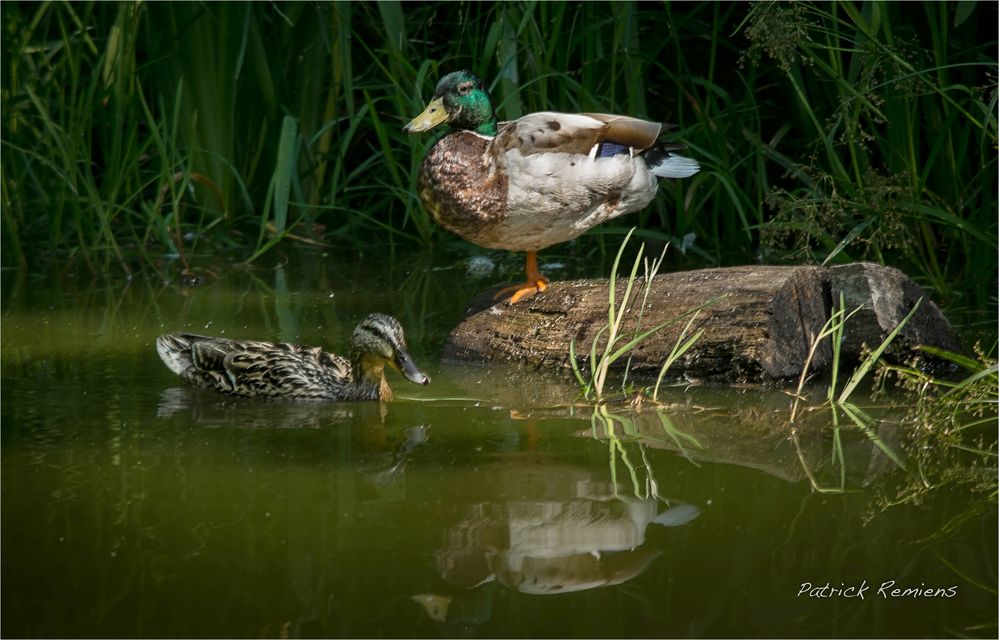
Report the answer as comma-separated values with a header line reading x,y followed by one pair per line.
x,y
828,131
899,101
953,426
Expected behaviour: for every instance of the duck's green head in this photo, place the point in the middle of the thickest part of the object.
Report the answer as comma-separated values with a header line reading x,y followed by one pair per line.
x,y
461,100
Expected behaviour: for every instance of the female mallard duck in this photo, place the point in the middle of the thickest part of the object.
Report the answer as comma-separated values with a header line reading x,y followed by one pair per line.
x,y
268,370
537,181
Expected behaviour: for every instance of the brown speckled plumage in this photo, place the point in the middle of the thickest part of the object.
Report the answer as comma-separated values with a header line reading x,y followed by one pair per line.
x,y
252,368
457,188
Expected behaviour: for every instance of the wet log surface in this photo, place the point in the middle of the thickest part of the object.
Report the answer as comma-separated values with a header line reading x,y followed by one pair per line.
x,y
757,321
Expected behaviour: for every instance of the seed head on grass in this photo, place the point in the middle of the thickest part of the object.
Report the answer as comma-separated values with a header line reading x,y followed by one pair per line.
x,y
779,29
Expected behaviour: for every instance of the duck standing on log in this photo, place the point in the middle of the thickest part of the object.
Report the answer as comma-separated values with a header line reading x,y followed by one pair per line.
x,y
540,180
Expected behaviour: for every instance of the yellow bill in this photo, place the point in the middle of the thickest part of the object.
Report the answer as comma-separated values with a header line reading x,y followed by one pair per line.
x,y
432,116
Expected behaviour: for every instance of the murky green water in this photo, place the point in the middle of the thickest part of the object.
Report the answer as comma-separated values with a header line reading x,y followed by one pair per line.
x,y
477,506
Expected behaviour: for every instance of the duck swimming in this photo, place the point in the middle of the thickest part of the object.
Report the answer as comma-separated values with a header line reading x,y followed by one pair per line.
x,y
255,369
539,180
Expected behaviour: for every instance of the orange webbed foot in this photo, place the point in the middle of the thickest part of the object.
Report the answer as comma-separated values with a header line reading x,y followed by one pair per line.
x,y
536,283
518,292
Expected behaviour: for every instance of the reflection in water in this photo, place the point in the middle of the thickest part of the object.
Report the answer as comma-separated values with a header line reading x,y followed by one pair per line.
x,y
435,606
551,528
677,516
209,409
814,448
536,526
382,458
124,504
388,470
748,427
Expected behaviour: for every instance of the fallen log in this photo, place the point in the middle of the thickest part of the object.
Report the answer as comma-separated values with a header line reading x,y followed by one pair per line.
x,y
758,322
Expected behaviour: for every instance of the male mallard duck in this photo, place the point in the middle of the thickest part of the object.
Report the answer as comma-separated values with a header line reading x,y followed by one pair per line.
x,y
537,181
268,370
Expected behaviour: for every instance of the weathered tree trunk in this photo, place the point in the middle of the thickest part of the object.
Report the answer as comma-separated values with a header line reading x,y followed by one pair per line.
x,y
758,322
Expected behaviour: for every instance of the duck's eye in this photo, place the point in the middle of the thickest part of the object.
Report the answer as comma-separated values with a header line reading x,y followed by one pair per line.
x,y
465,88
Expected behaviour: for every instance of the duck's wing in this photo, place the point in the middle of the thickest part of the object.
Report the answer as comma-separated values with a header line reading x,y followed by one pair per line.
x,y
550,132
254,368
627,131
283,369
209,354
183,352
575,133
210,362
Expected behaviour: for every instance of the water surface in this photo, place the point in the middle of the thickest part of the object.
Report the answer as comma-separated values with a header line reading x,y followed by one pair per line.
x,y
485,504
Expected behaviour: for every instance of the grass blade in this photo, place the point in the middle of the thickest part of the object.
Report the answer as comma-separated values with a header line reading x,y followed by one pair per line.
x,y
868,362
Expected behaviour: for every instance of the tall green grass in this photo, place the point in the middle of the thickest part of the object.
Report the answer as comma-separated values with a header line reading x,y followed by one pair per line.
x,y
612,342
827,131
902,163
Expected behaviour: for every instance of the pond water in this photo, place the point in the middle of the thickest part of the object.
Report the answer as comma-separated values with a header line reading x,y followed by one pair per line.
x,y
485,504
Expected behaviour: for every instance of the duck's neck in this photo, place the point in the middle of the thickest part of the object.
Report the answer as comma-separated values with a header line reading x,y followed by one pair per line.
x,y
476,114
487,128
369,378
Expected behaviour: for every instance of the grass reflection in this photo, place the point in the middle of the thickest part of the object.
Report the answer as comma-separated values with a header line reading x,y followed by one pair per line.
x,y
935,414
621,431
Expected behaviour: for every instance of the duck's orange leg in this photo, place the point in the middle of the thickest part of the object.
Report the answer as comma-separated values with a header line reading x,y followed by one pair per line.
x,y
536,283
